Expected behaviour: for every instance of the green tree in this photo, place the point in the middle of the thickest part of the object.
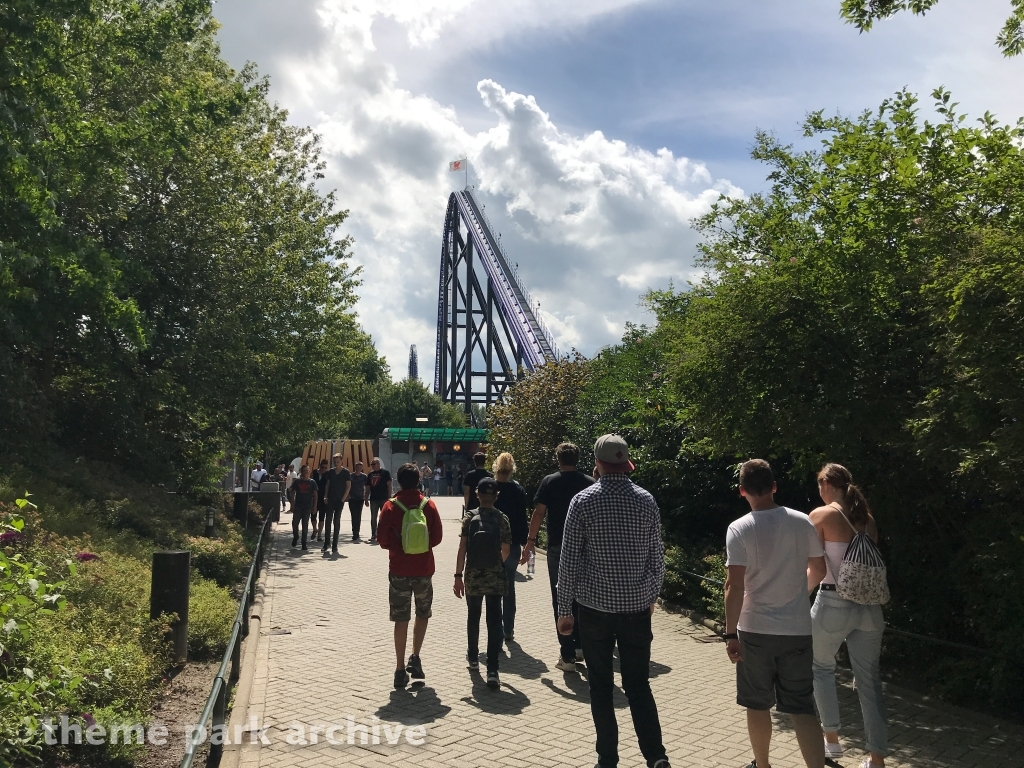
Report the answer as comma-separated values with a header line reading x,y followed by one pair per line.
x,y
539,412
397,404
172,282
864,311
864,13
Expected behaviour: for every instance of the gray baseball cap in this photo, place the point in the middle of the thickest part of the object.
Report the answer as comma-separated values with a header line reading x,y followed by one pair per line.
x,y
613,449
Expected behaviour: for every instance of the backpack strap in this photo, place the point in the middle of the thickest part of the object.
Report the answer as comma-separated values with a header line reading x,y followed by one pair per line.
x,y
400,504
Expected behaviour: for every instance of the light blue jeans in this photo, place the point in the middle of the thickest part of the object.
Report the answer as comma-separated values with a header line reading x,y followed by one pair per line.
x,y
834,620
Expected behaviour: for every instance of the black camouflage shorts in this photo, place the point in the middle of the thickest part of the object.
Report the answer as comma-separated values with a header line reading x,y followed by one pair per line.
x,y
403,590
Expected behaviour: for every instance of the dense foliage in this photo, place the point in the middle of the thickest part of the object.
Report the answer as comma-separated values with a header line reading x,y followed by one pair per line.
x,y
169,273
865,310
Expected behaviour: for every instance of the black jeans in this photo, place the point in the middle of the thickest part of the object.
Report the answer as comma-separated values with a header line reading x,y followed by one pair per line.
x,y
494,635
567,643
375,505
355,508
298,515
333,516
599,632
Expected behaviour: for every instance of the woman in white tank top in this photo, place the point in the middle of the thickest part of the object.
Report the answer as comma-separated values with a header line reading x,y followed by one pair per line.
x,y
834,620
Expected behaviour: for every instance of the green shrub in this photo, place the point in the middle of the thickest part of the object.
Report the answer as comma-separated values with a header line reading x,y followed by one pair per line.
x,y
211,615
217,559
683,588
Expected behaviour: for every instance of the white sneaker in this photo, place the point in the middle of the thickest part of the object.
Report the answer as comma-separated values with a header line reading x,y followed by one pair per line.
x,y
834,750
866,763
565,666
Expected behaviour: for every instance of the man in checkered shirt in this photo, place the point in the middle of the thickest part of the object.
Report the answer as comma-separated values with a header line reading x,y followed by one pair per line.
x,y
613,564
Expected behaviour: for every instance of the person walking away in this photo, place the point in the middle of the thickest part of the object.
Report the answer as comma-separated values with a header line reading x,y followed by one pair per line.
x,y
438,475
460,476
320,475
449,478
474,476
775,559
512,503
409,529
480,575
356,499
305,494
552,500
613,564
835,619
380,491
339,488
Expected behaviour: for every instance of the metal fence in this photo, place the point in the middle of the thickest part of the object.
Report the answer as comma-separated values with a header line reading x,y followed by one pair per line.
x,y
216,707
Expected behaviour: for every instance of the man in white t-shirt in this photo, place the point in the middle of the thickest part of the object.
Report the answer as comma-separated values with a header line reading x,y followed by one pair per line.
x,y
775,559
257,476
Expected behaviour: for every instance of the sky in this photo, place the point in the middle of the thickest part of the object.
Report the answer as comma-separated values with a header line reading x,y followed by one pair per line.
x,y
596,130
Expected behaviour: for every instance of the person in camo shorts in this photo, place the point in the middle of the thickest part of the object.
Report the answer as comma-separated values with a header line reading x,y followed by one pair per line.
x,y
409,575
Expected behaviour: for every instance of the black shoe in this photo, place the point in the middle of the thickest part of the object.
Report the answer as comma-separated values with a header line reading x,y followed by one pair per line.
x,y
401,679
473,662
334,550
510,637
305,547
295,542
415,668
662,763
492,680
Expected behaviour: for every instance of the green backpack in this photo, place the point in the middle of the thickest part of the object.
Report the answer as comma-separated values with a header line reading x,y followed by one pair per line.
x,y
415,533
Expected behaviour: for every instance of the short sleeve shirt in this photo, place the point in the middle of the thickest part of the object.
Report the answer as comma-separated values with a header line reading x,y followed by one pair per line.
x,y
774,546
305,491
489,581
473,478
338,481
378,482
358,485
555,492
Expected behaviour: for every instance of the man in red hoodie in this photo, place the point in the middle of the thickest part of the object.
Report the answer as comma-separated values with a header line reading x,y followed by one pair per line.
x,y
409,575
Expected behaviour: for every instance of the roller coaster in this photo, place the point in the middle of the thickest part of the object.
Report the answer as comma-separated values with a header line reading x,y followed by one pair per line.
x,y
489,330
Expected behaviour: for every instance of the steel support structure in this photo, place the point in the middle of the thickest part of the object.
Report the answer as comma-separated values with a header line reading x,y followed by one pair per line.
x,y
488,333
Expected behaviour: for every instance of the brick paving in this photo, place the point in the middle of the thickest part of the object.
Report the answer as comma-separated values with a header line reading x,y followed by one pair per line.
x,y
325,655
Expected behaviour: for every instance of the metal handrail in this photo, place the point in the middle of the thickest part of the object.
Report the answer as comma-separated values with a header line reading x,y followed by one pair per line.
x,y
216,702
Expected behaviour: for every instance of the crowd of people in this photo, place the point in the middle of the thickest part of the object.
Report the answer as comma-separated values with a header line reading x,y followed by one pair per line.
x,y
605,560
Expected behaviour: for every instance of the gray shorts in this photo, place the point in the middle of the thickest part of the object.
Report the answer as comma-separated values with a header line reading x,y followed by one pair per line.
x,y
776,670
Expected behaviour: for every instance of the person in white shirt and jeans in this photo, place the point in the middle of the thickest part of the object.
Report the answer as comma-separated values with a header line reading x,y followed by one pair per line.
x,y
775,559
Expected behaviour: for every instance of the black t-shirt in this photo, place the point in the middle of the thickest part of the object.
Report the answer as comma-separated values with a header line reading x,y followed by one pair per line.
x,y
378,482
358,486
473,477
555,492
512,501
304,490
337,480
321,482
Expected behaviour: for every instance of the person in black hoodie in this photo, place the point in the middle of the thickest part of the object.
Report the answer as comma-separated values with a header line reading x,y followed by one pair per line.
x,y
512,502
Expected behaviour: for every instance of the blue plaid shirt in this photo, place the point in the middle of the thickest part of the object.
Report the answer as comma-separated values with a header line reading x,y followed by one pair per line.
x,y
612,556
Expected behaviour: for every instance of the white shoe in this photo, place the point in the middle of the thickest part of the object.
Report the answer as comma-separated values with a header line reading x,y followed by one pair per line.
x,y
834,751
565,666
866,763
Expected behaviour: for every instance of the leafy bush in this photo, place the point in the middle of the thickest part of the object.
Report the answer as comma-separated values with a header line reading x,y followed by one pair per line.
x,y
217,559
211,615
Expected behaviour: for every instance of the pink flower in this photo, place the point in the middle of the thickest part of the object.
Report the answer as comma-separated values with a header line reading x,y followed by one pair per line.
x,y
792,259
84,557
9,537
90,721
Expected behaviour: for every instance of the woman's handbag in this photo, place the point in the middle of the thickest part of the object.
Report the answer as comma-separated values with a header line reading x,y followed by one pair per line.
x,y
862,577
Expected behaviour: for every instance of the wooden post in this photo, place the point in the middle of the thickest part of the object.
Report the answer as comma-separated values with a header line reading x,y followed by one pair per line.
x,y
169,594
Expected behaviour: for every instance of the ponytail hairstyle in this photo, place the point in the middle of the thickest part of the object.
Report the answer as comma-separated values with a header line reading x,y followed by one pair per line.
x,y
854,504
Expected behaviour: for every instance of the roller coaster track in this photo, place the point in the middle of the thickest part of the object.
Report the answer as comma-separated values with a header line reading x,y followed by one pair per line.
x,y
488,328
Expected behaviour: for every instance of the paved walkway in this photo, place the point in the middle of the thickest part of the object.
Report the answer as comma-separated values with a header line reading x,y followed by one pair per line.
x,y
325,655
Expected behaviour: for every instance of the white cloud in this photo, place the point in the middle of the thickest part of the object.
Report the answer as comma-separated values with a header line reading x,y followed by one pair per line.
x,y
580,211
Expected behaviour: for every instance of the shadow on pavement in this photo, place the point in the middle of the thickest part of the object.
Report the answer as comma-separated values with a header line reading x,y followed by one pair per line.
x,y
415,705
523,664
506,700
